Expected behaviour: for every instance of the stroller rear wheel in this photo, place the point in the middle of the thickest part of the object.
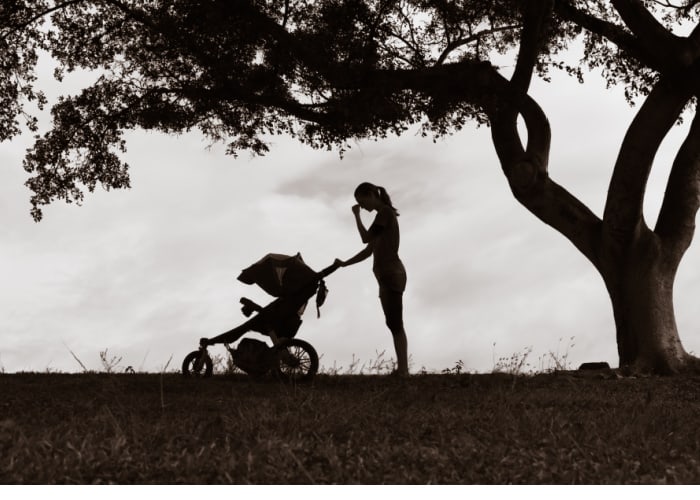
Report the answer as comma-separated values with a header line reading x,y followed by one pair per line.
x,y
197,364
296,361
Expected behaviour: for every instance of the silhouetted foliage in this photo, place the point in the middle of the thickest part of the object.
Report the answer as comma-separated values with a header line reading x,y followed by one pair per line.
x,y
323,71
20,40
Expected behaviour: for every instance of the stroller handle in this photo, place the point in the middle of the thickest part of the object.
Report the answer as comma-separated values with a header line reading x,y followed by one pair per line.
x,y
330,269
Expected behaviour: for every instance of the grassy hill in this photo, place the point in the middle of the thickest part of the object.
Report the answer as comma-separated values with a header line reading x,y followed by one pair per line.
x,y
347,429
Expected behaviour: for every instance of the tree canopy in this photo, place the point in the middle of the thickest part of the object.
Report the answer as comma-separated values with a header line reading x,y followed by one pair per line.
x,y
323,71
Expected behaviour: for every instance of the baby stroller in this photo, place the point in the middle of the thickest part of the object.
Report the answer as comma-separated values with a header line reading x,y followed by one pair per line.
x,y
293,283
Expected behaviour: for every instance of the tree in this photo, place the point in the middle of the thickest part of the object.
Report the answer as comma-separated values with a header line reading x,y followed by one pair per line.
x,y
330,71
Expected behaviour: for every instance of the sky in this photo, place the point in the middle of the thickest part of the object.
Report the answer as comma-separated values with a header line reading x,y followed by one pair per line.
x,y
144,273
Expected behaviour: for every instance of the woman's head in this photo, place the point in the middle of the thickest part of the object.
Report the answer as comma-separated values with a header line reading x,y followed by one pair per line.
x,y
371,197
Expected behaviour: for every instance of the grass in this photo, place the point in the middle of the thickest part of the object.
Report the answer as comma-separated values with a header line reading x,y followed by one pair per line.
x,y
455,428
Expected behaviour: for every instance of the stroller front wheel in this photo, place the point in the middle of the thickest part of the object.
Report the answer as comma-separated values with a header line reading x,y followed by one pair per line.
x,y
197,364
297,360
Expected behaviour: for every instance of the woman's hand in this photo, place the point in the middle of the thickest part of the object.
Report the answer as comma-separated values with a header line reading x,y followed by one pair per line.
x,y
356,210
332,268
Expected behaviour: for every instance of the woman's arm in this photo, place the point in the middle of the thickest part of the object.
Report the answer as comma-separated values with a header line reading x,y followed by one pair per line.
x,y
360,227
362,255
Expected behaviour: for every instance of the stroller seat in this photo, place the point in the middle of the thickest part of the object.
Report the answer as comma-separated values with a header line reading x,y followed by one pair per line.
x,y
283,316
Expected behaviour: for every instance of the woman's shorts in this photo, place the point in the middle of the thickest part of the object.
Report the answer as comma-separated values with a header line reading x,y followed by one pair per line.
x,y
391,280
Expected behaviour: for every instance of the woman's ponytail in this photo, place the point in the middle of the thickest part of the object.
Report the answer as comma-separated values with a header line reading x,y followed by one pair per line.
x,y
384,196
367,188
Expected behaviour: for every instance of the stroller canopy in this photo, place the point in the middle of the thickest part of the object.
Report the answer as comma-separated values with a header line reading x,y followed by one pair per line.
x,y
279,274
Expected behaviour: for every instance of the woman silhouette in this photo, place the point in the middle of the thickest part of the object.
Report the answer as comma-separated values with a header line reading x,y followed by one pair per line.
x,y
382,239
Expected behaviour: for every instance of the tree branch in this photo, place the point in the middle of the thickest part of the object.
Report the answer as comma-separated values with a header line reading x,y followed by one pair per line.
x,y
666,3
40,15
133,14
676,222
460,42
410,46
642,23
240,96
616,34
623,209
286,13
692,46
667,49
535,14
649,41
526,170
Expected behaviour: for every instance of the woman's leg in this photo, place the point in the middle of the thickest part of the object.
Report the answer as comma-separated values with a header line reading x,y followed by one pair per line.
x,y
392,304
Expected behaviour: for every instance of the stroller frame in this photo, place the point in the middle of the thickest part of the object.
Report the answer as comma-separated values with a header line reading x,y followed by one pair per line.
x,y
288,358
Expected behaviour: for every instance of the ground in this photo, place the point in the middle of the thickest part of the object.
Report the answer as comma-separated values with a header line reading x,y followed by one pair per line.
x,y
348,429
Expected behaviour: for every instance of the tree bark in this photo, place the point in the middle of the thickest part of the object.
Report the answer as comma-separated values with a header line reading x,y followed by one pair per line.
x,y
640,283
637,264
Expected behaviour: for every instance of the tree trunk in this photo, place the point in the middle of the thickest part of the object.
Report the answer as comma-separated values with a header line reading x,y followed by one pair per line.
x,y
637,264
640,281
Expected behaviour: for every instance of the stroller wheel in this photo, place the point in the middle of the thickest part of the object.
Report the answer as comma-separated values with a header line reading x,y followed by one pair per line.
x,y
297,360
197,364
